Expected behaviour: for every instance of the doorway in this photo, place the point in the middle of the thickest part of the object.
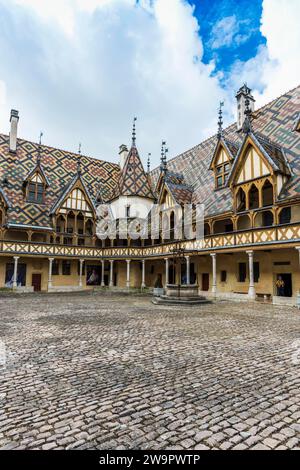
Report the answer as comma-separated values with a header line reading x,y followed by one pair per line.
x,y
205,282
36,282
284,289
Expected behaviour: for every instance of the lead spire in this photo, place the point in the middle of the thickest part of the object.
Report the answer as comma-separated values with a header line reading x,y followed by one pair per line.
x,y
220,120
148,163
39,151
79,160
133,132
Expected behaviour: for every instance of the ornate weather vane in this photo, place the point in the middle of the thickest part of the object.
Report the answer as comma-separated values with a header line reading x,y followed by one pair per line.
x,y
220,121
134,132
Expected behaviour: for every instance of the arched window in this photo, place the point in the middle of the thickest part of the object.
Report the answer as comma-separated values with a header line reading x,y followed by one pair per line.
x,y
241,200
253,197
172,225
285,215
36,189
267,194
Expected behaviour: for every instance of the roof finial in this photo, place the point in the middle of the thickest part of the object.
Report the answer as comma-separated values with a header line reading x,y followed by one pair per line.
x,y
220,121
39,151
148,162
162,155
134,132
79,160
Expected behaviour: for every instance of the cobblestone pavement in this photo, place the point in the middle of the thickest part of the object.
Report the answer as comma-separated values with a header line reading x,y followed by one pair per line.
x,y
112,372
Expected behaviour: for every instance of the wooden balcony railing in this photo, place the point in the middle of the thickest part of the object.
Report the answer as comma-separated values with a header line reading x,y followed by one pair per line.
x,y
259,236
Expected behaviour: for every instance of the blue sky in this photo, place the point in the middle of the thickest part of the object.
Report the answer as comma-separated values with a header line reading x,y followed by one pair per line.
x,y
81,69
243,36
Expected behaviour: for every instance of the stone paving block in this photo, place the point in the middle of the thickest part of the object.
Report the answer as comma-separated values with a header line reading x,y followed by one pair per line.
x,y
120,373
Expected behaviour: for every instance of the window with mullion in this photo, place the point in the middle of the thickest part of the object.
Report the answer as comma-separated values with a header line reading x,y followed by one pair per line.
x,y
35,192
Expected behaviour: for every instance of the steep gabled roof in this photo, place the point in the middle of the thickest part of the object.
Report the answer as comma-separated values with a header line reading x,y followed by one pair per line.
x,y
37,169
273,154
175,184
73,183
231,149
274,121
59,166
133,180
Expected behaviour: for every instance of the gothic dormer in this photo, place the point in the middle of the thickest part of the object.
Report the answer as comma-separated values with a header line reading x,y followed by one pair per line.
x,y
36,181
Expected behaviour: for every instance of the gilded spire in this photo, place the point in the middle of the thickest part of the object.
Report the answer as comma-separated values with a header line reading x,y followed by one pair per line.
x,y
133,132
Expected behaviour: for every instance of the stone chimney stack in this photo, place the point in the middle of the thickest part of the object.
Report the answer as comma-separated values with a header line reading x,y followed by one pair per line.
x,y
14,119
241,96
123,152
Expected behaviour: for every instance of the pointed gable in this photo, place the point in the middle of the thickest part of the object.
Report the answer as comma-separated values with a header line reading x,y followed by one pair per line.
x,y
173,190
133,180
75,197
37,175
225,151
257,158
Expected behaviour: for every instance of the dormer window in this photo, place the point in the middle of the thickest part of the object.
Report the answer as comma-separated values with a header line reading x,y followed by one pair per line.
x,y
222,160
221,174
36,190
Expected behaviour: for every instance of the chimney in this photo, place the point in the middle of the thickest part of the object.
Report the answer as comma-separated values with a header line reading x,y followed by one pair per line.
x,y
123,152
241,96
14,119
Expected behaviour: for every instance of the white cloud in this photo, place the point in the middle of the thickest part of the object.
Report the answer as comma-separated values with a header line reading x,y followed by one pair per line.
x,y
224,31
275,67
81,69
88,68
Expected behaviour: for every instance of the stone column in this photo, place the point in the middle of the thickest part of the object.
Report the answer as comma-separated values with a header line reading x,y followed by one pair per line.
x,y
50,272
214,272
251,291
167,271
128,273
81,261
111,272
143,275
188,272
102,273
15,277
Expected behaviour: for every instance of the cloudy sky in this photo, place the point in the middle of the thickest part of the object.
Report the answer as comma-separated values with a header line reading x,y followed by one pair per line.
x,y
81,69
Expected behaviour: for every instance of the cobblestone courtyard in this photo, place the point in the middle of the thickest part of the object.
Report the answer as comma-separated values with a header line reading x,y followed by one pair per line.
x,y
108,372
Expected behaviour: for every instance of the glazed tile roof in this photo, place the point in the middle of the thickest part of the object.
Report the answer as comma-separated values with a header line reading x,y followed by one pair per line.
x,y
60,167
274,121
133,180
273,125
181,192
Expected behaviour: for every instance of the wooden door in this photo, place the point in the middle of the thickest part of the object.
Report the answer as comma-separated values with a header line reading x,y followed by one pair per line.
x,y
205,281
36,282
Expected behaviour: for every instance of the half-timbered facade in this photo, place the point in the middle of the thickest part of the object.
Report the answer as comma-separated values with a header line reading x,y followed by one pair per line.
x,y
247,176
